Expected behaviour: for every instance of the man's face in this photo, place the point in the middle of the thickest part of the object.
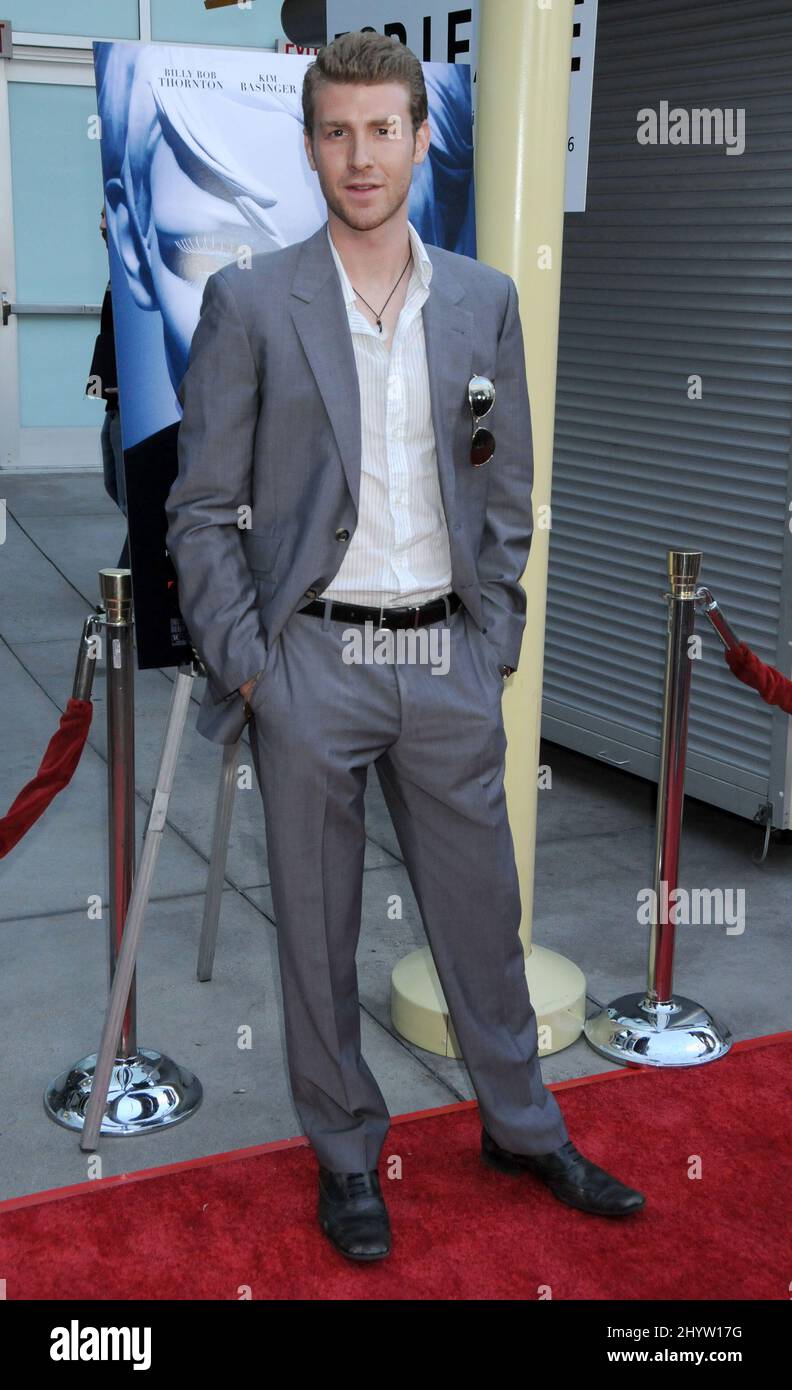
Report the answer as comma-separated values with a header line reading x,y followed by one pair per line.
x,y
364,135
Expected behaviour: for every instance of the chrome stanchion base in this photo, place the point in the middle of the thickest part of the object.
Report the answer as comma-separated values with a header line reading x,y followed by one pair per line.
x,y
147,1092
679,1034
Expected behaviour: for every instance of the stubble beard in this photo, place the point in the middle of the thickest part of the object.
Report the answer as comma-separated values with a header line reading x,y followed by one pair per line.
x,y
366,219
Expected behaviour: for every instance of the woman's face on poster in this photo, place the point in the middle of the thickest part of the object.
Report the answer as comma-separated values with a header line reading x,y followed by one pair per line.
x,y
200,221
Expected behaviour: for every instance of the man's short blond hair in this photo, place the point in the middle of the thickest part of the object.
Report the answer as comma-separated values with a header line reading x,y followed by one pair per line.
x,y
369,58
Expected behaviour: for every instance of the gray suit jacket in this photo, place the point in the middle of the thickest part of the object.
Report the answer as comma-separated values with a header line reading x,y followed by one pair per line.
x,y
271,423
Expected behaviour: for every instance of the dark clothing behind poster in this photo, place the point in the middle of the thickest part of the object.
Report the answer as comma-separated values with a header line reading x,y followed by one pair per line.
x,y
103,363
151,466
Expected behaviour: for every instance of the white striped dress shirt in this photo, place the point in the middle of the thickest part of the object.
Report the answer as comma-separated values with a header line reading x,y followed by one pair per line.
x,y
399,553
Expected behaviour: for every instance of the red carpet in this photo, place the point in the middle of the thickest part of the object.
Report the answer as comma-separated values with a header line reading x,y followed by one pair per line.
x,y
218,1226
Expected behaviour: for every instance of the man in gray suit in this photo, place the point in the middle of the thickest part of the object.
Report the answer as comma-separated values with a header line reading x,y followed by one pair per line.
x,y
330,491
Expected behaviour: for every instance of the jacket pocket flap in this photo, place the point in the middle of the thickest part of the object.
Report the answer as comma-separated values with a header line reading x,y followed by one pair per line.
x,y
261,551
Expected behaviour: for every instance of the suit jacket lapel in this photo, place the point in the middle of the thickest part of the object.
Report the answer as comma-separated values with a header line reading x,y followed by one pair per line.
x,y
320,318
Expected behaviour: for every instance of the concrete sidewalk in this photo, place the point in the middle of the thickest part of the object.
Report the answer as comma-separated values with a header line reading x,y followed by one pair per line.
x,y
595,850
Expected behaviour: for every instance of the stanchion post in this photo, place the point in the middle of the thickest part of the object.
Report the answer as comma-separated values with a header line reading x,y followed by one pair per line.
x,y
116,592
656,1028
125,1089
683,572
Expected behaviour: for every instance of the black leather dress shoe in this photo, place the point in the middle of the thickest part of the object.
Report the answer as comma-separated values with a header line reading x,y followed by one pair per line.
x,y
571,1177
353,1215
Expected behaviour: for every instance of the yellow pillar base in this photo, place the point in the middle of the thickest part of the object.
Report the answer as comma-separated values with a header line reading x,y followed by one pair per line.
x,y
420,1014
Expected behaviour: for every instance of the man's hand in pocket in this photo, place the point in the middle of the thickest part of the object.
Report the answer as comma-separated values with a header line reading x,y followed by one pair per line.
x,y
246,690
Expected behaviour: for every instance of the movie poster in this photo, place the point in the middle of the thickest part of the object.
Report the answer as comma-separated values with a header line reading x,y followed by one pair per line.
x,y
202,154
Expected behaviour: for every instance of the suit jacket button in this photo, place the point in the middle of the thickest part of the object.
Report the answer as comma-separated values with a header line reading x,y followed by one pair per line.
x,y
342,534
311,593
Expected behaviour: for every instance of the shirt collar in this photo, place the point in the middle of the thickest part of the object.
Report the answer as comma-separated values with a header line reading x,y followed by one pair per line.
x,y
420,257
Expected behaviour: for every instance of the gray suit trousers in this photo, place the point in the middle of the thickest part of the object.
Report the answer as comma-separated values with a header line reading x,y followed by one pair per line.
x,y
438,744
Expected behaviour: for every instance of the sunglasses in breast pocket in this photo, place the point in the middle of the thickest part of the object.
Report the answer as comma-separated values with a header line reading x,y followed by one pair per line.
x,y
481,398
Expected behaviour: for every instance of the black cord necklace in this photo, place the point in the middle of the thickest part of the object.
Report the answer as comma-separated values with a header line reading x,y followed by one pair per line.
x,y
378,316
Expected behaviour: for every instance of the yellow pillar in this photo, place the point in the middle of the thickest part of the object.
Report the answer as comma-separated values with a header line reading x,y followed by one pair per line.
x,y
521,135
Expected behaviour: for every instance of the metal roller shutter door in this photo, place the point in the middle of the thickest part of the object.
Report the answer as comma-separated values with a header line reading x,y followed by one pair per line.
x,y
681,265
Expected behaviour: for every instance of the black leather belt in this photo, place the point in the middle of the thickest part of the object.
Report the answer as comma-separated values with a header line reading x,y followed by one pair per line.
x,y
424,613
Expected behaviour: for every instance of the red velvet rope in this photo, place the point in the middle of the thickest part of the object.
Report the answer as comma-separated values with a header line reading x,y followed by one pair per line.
x,y
774,688
57,766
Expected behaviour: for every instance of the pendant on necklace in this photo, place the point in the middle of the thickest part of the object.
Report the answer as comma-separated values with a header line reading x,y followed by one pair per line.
x,y
379,324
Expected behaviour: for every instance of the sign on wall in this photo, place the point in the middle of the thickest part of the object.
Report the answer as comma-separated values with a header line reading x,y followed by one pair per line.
x,y
584,35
